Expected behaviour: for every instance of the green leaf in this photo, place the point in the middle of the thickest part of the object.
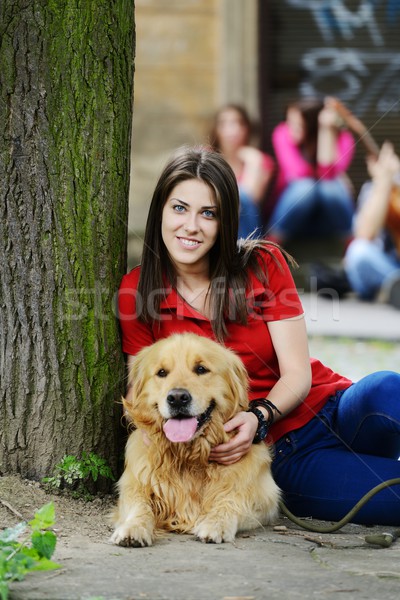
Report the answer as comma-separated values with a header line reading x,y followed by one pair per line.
x,y
106,472
46,565
20,564
3,590
18,558
44,517
11,534
44,543
94,472
53,481
35,562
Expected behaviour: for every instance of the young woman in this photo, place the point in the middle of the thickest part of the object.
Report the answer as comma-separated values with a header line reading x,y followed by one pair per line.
x,y
334,440
372,260
231,135
313,152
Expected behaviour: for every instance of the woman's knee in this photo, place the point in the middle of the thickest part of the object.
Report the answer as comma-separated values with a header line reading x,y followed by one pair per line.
x,y
294,205
380,389
299,192
388,382
359,254
360,249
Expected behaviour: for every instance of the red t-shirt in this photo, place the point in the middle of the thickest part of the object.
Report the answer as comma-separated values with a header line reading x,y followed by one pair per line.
x,y
252,342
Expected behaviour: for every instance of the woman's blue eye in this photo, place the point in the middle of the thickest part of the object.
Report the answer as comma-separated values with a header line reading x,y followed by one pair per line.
x,y
209,214
179,208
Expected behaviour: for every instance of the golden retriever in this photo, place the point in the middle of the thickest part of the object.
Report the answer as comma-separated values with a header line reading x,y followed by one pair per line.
x,y
185,387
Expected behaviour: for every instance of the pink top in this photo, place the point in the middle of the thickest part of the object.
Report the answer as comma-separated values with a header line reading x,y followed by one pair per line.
x,y
292,164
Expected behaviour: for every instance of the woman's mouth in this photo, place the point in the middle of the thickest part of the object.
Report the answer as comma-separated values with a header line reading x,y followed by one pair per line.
x,y
189,243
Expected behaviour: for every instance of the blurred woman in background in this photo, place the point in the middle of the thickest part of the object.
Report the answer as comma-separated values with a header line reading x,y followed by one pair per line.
x,y
313,151
372,260
230,135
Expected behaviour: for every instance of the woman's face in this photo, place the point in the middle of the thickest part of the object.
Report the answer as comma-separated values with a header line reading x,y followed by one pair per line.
x,y
190,225
295,122
231,130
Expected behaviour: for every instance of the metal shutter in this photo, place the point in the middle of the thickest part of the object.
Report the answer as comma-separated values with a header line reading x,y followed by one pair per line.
x,y
331,47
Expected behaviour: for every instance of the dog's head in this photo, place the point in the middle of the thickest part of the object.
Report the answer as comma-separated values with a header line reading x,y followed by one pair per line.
x,y
185,384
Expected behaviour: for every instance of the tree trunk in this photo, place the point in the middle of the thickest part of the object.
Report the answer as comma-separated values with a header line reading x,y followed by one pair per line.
x,y
66,80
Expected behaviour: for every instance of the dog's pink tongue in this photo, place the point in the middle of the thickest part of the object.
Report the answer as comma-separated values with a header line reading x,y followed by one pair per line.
x,y
180,430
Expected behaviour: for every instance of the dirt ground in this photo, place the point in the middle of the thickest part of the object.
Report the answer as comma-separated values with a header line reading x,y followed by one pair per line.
x,y
20,499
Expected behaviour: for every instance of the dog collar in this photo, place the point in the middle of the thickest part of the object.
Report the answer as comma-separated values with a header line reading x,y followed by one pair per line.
x,y
206,415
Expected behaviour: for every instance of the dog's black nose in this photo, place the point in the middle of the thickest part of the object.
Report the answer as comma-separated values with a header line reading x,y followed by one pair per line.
x,y
178,398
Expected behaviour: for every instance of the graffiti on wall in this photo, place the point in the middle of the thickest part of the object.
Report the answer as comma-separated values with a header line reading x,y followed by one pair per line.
x,y
366,76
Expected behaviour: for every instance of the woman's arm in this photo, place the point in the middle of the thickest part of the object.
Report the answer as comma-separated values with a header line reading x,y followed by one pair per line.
x,y
257,172
289,338
135,334
335,147
327,137
373,212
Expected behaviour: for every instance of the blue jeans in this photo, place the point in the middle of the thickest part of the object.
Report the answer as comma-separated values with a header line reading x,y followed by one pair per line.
x,y
368,267
349,447
310,207
249,216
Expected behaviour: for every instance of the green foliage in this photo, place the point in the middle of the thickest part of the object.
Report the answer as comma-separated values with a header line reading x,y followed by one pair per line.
x,y
33,553
76,474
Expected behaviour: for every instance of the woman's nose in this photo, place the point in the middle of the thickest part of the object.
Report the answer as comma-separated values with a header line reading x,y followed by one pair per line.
x,y
191,223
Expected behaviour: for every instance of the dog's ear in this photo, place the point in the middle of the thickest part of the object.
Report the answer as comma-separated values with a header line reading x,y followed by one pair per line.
x,y
136,376
239,382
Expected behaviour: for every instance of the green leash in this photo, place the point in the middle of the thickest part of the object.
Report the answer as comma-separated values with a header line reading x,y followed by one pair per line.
x,y
384,539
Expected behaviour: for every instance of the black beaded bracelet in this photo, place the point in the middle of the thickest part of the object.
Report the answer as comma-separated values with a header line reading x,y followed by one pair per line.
x,y
262,429
269,407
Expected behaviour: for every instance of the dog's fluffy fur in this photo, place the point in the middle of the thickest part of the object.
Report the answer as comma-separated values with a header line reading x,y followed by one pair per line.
x,y
171,485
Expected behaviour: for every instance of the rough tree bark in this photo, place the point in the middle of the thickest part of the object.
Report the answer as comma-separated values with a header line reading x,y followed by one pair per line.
x,y
66,80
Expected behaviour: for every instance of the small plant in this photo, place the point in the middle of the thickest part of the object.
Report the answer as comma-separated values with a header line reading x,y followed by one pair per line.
x,y
76,474
33,553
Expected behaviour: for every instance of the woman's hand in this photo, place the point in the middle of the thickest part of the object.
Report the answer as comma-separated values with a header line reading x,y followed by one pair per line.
x,y
251,156
328,117
246,424
255,177
349,119
387,165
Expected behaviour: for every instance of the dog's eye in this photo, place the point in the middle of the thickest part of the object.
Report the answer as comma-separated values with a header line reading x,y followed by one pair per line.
x,y
162,373
200,370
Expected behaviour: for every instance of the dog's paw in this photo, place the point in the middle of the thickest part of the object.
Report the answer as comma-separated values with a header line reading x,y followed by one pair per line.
x,y
134,536
210,531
